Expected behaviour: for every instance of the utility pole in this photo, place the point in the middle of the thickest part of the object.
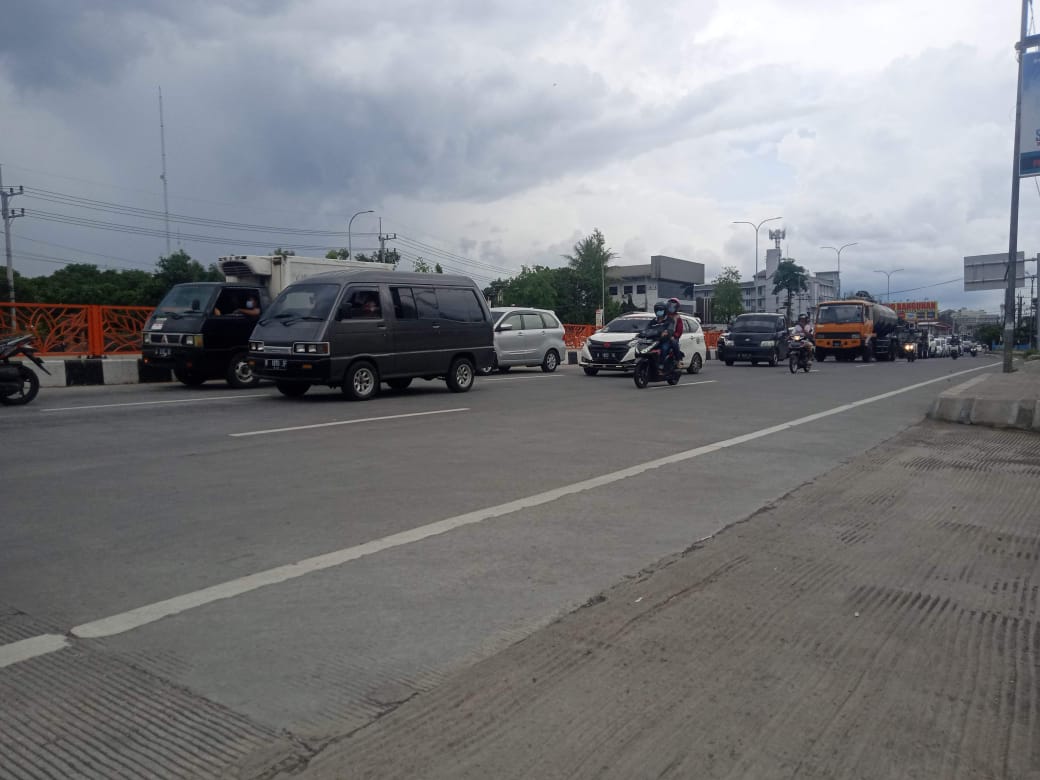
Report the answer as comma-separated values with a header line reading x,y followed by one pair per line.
x,y
8,214
165,193
383,238
1016,172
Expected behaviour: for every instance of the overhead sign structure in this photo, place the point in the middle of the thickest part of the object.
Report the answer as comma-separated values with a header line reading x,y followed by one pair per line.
x,y
987,272
1029,129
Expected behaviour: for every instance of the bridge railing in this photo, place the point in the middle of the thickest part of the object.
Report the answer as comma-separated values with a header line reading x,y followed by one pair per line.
x,y
76,330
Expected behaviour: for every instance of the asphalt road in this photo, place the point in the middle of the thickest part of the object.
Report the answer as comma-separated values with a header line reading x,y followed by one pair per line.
x,y
246,577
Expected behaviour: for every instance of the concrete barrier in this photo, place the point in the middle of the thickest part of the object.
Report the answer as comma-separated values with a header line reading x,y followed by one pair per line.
x,y
70,372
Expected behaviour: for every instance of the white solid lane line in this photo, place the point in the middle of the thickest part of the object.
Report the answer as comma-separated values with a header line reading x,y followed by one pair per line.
x,y
150,613
684,384
24,649
347,422
514,378
156,403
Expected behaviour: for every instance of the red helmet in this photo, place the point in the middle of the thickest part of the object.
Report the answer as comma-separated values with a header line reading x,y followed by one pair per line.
x,y
672,307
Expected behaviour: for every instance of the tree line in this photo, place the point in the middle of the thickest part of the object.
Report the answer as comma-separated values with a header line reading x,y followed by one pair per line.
x,y
574,291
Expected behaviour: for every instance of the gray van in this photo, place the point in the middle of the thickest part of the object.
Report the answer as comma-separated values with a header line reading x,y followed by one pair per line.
x,y
355,329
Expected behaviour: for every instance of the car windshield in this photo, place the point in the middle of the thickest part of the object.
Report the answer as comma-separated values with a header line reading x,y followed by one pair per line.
x,y
628,324
303,301
754,325
842,313
187,298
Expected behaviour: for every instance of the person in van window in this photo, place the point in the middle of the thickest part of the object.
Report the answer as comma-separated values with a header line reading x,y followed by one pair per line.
x,y
370,308
249,307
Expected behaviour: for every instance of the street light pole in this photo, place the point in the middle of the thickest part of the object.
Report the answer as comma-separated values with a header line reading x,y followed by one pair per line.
x,y
756,227
888,275
351,222
838,250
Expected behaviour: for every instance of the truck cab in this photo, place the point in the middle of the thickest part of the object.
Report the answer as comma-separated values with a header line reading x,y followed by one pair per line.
x,y
200,330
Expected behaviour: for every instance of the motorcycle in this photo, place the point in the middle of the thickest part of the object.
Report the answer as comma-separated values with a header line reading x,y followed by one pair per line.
x,y
799,353
910,351
648,353
973,350
955,351
18,384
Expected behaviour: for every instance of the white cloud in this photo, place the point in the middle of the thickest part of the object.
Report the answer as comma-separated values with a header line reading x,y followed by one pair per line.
x,y
505,132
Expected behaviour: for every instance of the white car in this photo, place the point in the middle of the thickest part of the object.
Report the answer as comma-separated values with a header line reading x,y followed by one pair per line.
x,y
611,349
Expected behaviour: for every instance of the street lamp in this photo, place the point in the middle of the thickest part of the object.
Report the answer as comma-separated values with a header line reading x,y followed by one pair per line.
x,y
756,227
838,250
888,275
367,211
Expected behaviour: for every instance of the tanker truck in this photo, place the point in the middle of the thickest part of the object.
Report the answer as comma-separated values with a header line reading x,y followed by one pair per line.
x,y
854,328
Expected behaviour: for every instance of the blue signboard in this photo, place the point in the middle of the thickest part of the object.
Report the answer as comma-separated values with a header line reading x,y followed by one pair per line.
x,y
1029,138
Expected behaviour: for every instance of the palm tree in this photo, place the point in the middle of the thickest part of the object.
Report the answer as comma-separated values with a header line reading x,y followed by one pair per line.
x,y
791,277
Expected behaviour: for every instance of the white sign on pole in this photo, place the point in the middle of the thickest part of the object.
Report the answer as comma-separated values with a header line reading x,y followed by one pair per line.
x,y
1029,130
987,272
599,318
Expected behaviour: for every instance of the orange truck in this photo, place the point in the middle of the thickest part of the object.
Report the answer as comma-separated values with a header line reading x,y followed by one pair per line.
x,y
855,328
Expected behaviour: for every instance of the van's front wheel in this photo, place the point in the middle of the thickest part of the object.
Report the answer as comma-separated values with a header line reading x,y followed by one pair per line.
x,y
460,375
361,382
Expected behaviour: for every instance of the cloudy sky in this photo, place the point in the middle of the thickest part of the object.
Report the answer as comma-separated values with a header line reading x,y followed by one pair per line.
x,y
490,134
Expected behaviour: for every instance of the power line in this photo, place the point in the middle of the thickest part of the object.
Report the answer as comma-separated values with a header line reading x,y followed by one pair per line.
x,y
925,287
119,208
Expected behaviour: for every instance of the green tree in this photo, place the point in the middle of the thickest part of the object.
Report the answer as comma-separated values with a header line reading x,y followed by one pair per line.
x,y
589,263
493,292
791,277
283,252
420,266
727,301
337,254
533,286
379,256
437,268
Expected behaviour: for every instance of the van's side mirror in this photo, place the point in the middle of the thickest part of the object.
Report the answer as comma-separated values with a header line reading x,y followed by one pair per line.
x,y
507,326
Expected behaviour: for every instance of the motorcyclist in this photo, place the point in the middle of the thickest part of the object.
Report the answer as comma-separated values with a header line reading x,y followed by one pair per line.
x,y
659,329
673,332
803,328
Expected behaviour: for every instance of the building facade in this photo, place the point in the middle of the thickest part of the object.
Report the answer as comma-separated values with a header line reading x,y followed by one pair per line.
x,y
663,277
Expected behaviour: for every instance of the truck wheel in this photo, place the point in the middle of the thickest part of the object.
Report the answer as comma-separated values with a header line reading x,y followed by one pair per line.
x,y
239,373
292,389
820,355
868,353
361,382
189,378
460,375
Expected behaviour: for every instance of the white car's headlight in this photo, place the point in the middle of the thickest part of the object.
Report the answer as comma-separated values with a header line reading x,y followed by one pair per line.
x,y
728,342
768,343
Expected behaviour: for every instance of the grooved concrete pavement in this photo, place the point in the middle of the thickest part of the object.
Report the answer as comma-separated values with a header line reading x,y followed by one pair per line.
x,y
882,621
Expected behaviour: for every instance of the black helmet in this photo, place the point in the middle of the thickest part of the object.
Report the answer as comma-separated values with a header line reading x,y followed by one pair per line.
x,y
803,317
660,308
672,307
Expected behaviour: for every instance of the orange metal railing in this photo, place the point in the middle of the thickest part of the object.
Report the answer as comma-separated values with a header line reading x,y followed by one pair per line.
x,y
77,330
711,338
574,336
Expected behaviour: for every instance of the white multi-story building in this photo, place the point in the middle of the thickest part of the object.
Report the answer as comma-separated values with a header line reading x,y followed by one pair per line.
x,y
664,277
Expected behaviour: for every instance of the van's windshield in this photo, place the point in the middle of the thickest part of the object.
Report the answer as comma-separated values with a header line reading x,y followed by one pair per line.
x,y
187,298
840,314
303,302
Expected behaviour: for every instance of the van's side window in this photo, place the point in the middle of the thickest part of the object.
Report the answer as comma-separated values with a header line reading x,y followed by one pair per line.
x,y
461,305
404,303
426,303
360,303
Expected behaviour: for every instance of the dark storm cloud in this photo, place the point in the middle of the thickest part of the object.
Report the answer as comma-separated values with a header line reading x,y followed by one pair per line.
x,y
58,44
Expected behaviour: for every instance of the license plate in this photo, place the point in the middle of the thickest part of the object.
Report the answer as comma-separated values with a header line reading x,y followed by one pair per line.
x,y
278,364
162,352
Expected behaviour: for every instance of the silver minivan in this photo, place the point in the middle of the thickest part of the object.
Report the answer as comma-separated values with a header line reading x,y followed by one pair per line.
x,y
526,337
